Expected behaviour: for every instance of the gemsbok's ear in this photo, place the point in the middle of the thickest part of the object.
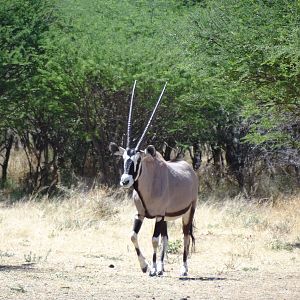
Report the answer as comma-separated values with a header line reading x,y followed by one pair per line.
x,y
115,149
150,150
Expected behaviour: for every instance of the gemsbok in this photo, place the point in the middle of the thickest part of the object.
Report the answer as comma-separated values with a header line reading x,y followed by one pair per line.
x,y
165,190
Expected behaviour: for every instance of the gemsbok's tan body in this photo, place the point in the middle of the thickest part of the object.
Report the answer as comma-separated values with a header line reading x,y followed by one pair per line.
x,y
166,189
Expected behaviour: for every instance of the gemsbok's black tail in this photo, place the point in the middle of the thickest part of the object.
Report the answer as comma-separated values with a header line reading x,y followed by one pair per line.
x,y
193,248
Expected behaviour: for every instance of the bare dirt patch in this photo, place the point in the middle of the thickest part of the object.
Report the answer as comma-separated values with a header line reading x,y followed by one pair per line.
x,y
243,251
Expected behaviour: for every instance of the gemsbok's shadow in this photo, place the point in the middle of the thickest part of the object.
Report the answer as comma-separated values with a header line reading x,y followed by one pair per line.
x,y
295,245
21,267
201,278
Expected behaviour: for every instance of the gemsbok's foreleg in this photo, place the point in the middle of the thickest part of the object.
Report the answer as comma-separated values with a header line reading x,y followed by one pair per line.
x,y
155,243
187,225
138,221
164,242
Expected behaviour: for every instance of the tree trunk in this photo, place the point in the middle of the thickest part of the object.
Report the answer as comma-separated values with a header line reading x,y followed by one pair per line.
x,y
218,161
8,147
197,157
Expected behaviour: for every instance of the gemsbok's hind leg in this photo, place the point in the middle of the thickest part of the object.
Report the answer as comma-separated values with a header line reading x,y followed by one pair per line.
x,y
138,221
155,243
187,225
164,242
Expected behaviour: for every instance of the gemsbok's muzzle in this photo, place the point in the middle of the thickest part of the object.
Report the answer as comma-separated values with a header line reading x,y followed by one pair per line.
x,y
126,181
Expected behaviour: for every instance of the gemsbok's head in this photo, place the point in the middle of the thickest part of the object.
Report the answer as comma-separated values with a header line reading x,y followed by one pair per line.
x,y
132,156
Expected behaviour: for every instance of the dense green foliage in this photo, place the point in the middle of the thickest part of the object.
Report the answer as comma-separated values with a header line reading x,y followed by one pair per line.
x,y
67,67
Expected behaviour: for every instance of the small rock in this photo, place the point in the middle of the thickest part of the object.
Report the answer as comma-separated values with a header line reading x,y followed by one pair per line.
x,y
111,266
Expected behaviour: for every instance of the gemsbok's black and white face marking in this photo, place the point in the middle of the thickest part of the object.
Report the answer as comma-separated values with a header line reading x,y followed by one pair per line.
x,y
132,159
132,164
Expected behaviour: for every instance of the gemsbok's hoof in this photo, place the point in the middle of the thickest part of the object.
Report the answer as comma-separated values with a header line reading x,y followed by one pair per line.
x,y
183,271
152,272
144,269
160,269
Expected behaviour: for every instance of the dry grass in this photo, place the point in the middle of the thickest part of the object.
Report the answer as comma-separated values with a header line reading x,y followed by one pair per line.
x,y
92,229
41,225
241,229
251,233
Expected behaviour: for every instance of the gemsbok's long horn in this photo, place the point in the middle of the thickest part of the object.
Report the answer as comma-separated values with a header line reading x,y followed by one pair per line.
x,y
129,116
151,118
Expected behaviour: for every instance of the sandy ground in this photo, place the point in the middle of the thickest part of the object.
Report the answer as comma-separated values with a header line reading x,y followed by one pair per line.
x,y
38,261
